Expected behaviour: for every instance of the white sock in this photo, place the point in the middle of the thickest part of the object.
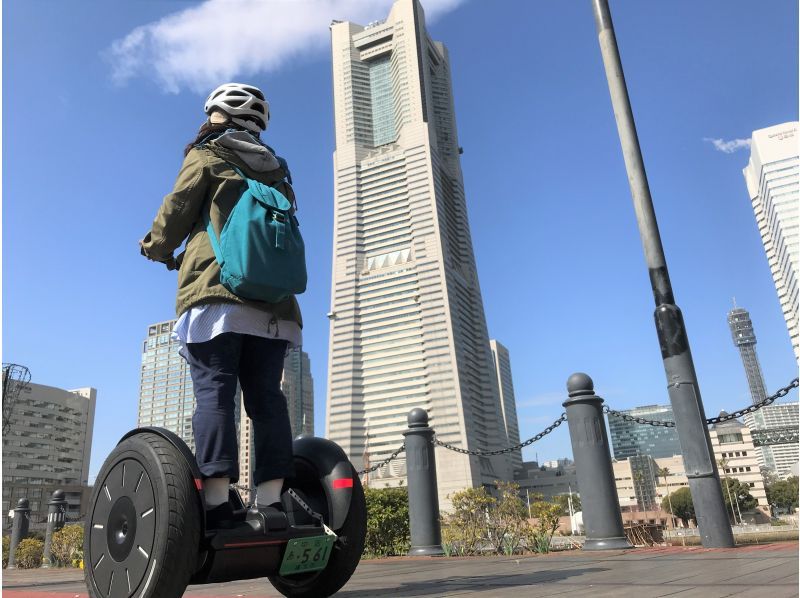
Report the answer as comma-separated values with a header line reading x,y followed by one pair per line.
x,y
269,492
216,490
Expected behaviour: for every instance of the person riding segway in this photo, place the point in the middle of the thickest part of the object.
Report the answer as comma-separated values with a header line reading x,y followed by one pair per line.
x,y
161,517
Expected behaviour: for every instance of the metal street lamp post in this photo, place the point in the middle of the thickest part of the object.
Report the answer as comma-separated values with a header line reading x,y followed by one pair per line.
x,y
684,392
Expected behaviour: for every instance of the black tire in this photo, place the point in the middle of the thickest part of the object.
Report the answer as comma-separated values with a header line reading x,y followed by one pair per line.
x,y
142,528
344,558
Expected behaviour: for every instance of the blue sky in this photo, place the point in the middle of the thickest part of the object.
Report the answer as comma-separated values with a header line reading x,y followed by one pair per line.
x,y
96,113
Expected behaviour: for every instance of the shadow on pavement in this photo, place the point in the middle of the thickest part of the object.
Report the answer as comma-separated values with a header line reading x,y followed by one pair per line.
x,y
439,587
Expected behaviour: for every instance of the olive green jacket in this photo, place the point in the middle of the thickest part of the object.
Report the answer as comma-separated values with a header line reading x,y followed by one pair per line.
x,y
208,185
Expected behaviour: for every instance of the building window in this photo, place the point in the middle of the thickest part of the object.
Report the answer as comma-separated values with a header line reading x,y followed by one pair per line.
x,y
730,438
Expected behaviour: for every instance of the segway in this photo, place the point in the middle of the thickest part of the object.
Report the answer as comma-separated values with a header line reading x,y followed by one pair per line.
x,y
146,534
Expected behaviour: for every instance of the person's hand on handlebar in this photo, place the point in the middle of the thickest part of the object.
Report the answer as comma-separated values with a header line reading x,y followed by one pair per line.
x,y
171,263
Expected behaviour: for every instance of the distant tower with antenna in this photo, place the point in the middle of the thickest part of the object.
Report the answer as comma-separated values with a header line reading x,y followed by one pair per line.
x,y
744,337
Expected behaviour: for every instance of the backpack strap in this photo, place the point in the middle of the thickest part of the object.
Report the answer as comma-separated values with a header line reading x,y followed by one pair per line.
x,y
212,237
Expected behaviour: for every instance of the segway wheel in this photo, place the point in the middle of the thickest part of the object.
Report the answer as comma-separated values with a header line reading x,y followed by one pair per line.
x,y
143,523
346,552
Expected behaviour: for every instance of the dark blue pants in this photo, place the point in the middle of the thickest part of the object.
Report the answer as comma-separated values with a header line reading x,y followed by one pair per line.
x,y
257,364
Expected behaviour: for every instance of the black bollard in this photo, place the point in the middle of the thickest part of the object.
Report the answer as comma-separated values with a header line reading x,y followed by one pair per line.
x,y
19,529
587,431
423,495
56,518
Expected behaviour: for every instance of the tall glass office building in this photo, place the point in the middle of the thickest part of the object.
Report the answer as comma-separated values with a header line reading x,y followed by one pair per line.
x,y
166,398
407,322
629,439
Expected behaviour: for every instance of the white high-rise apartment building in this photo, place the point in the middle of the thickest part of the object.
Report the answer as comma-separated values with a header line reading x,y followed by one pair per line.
x,y
407,323
777,458
46,448
508,404
772,182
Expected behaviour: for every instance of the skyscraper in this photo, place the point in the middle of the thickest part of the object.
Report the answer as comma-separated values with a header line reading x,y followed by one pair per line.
x,y
166,397
407,322
629,439
772,182
508,404
744,337
298,386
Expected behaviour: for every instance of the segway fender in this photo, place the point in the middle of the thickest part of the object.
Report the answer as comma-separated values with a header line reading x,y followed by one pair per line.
x,y
335,473
179,444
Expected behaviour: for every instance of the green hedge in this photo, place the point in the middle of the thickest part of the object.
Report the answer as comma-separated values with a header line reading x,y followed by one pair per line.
x,y
388,533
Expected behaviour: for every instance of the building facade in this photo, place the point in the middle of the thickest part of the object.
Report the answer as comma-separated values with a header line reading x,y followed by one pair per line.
x,y
47,447
166,395
772,182
549,479
778,458
298,387
407,326
629,439
643,482
744,337
508,404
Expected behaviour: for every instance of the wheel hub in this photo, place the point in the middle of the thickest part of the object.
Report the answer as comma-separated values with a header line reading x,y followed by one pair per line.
x,y
121,528
123,523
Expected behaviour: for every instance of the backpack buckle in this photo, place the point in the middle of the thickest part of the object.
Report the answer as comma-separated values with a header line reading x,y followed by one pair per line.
x,y
278,217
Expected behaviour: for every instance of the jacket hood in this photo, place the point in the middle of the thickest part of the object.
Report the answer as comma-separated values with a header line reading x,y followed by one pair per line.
x,y
253,154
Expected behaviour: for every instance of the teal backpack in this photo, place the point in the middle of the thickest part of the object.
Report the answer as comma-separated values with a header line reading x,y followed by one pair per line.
x,y
260,251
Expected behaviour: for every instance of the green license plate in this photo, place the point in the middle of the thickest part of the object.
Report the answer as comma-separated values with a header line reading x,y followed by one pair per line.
x,y
306,554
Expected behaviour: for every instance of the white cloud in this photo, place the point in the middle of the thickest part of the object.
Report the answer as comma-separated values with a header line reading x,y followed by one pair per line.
x,y
223,40
730,146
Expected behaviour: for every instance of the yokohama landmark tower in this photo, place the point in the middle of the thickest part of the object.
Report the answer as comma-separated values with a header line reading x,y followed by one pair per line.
x,y
407,322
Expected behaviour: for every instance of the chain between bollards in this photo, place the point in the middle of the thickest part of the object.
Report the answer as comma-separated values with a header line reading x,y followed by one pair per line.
x,y
711,420
386,461
479,453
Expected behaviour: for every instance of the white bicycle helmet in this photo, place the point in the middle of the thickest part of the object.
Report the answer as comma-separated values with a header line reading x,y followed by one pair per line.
x,y
245,104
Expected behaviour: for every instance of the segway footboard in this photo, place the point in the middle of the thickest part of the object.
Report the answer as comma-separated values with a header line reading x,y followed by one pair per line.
x,y
317,552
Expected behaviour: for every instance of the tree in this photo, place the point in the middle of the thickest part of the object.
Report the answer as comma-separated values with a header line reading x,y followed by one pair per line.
x,y
726,491
562,500
783,493
663,472
734,491
387,522
682,505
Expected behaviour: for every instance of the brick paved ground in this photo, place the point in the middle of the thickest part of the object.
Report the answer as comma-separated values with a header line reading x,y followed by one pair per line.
x,y
765,571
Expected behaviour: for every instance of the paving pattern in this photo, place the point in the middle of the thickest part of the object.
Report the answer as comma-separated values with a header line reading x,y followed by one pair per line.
x,y
765,571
